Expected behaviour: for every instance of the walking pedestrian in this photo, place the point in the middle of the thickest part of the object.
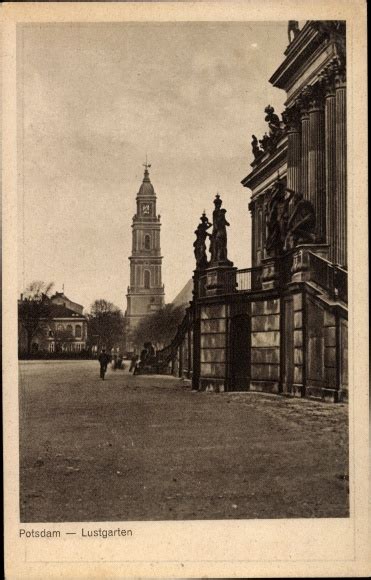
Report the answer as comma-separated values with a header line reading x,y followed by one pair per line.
x,y
133,363
104,359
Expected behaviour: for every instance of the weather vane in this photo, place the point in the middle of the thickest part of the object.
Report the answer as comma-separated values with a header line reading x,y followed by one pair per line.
x,y
146,164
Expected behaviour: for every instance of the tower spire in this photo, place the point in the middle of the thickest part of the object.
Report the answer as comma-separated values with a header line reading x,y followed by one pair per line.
x,y
146,165
146,291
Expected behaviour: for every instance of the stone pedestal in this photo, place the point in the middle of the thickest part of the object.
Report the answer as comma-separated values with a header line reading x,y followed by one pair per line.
x,y
220,279
271,273
199,278
300,271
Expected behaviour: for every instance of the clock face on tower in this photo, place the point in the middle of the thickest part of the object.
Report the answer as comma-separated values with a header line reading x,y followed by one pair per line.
x,y
145,208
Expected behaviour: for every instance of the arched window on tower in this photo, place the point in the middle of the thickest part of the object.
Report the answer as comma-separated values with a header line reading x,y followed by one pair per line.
x,y
147,242
147,278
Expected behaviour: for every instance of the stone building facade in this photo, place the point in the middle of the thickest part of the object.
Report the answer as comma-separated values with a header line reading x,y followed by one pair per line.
x,y
65,331
281,326
146,293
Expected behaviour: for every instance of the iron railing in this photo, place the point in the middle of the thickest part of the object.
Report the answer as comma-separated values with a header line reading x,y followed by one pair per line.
x,y
165,356
332,278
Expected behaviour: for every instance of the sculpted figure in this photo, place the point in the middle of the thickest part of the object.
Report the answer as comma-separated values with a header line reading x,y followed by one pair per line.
x,y
218,241
293,29
264,142
301,223
221,237
272,120
276,219
255,147
200,242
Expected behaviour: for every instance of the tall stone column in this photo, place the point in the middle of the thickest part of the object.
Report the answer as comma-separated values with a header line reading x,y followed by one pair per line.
x,y
293,123
330,156
341,165
253,232
302,104
316,161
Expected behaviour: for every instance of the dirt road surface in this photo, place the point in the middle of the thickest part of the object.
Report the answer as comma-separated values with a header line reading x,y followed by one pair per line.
x,y
148,448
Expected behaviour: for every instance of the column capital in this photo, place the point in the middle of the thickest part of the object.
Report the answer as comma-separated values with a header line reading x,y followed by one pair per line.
x,y
327,80
251,205
340,74
302,101
291,118
316,99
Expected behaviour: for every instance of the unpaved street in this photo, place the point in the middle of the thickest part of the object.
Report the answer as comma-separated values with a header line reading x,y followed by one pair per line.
x,y
148,448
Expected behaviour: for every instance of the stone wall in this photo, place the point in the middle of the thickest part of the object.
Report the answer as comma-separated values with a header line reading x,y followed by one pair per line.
x,y
299,354
213,347
292,342
265,345
343,360
315,349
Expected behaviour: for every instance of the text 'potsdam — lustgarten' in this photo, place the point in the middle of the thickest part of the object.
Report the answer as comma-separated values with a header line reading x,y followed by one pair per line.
x,y
83,533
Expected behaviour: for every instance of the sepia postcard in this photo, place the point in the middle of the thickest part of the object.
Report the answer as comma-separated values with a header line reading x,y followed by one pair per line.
x,y
185,307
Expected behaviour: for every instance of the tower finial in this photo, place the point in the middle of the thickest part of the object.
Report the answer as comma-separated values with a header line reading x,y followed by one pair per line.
x,y
146,164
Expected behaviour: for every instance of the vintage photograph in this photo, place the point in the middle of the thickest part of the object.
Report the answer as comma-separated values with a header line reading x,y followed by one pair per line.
x,y
182,270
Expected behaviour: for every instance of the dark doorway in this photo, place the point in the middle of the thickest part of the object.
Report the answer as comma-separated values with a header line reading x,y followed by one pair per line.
x,y
240,358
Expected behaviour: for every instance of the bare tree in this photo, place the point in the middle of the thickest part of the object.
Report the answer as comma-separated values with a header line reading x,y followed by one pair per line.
x,y
34,309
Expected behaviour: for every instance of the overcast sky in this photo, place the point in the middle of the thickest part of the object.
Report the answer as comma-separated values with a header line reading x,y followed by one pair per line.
x,y
96,99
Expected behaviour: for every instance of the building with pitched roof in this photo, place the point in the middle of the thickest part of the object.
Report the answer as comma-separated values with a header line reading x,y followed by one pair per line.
x,y
66,329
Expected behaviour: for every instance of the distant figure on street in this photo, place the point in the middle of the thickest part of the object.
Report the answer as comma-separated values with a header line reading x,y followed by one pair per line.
x,y
143,358
114,362
133,363
104,359
150,350
120,364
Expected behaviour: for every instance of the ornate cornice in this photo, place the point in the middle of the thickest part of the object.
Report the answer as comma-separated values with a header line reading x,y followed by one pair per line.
x,y
334,31
299,52
270,164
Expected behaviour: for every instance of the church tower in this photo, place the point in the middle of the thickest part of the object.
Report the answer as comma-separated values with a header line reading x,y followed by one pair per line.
x,y
146,292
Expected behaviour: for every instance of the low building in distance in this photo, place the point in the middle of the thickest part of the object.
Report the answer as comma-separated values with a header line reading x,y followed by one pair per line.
x,y
65,330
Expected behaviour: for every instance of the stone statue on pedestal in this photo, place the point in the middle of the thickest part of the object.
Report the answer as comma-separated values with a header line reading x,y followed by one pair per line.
x,y
276,219
301,223
200,242
264,142
218,240
273,121
290,220
255,147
